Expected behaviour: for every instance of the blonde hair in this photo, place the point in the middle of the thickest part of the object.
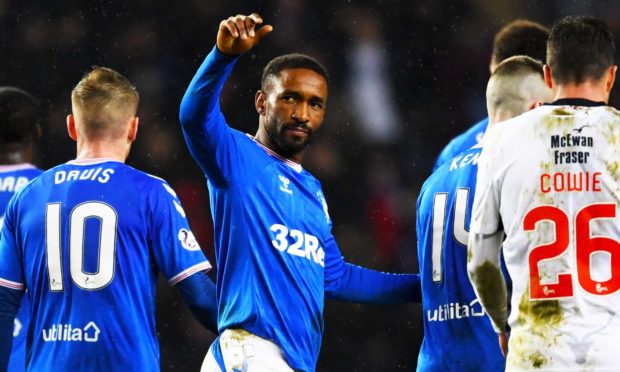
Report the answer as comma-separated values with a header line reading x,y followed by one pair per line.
x,y
103,103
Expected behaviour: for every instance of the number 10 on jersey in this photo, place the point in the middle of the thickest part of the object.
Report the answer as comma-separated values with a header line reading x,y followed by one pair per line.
x,y
108,218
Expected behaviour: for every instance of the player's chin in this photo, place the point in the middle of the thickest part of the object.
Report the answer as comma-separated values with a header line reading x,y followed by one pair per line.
x,y
294,145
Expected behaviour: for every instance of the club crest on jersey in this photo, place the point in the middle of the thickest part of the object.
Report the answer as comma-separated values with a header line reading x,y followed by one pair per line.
x,y
284,186
188,240
321,198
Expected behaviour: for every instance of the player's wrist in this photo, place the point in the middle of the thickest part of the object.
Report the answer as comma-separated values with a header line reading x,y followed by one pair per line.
x,y
218,51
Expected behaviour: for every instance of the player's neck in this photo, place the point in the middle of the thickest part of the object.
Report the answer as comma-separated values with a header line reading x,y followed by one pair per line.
x,y
102,150
15,156
593,91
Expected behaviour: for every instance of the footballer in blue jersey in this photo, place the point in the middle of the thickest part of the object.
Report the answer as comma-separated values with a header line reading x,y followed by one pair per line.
x,y
19,130
462,142
12,178
519,37
457,333
276,255
87,240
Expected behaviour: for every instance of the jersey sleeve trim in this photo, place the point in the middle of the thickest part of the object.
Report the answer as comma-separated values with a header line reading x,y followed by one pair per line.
x,y
12,285
203,266
15,167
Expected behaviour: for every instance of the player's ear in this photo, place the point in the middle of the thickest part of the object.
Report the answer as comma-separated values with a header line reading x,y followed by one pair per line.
x,y
548,78
71,127
260,100
611,77
133,129
535,105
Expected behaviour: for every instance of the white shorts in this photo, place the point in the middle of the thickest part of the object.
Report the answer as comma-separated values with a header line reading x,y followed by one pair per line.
x,y
246,352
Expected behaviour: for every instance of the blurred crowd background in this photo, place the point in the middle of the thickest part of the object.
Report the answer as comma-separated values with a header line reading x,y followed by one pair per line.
x,y
406,76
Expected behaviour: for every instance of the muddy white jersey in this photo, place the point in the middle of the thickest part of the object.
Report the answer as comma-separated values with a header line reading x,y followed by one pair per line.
x,y
550,179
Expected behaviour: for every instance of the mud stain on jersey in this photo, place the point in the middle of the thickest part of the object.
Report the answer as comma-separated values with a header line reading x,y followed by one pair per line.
x,y
612,168
538,324
492,291
561,112
545,198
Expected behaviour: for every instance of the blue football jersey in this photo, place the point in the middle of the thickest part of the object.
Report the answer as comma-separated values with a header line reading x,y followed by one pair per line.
x,y
276,255
462,142
87,239
12,178
457,333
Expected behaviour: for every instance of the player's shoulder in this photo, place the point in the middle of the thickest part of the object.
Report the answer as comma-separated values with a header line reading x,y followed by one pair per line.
x,y
456,172
462,142
509,131
148,183
470,137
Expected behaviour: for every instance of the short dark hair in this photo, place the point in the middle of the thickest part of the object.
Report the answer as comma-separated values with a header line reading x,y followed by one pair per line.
x,y
580,49
521,37
289,61
20,116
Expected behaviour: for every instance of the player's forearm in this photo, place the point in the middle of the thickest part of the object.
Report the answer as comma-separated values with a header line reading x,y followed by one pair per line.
x,y
199,293
361,285
200,104
9,304
484,272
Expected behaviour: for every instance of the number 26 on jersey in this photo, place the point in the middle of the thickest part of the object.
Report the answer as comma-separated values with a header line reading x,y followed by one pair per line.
x,y
593,278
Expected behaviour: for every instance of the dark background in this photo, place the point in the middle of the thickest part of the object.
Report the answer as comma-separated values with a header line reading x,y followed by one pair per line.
x,y
407,76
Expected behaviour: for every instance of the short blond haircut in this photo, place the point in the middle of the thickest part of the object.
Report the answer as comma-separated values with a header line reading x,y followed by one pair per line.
x,y
103,102
514,86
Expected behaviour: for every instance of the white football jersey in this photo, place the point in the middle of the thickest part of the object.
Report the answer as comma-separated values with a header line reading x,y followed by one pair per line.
x,y
550,179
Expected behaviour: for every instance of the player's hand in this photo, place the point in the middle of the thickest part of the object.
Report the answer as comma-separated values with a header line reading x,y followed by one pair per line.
x,y
503,343
238,34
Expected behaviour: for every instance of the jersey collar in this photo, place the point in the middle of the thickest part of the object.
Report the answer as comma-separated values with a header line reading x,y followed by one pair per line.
x,y
576,102
296,166
92,161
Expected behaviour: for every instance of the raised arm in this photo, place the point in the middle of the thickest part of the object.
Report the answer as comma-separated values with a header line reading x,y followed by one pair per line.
x,y
351,283
203,124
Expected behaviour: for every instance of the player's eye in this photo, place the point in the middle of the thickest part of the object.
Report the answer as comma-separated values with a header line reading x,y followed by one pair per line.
x,y
316,105
287,99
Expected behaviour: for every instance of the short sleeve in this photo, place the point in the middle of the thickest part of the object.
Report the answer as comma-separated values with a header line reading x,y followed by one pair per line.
x,y
177,253
11,268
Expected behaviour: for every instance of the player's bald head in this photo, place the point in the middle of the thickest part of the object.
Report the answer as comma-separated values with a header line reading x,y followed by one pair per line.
x,y
514,87
103,102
